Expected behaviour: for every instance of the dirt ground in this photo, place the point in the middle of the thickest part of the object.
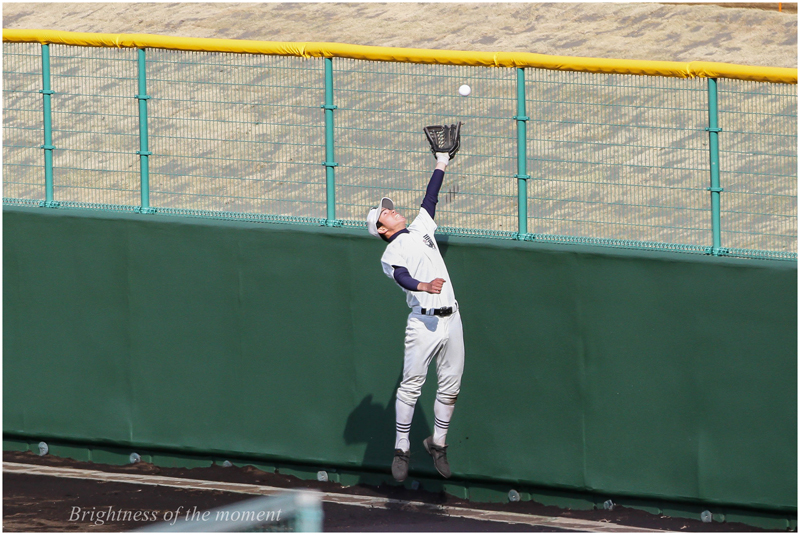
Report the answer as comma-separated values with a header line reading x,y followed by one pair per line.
x,y
729,33
42,503
54,499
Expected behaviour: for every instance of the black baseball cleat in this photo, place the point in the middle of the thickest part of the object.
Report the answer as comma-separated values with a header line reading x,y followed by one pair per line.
x,y
439,454
400,465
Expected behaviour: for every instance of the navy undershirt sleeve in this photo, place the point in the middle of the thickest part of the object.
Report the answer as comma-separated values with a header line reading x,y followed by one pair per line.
x,y
404,278
432,193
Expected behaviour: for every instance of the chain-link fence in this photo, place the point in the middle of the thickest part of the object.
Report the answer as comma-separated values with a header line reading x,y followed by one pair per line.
x,y
611,159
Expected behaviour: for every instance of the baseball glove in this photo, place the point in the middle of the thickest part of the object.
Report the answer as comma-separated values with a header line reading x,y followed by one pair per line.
x,y
444,138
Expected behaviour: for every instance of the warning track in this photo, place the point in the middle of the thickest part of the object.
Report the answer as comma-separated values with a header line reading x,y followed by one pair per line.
x,y
370,502
40,492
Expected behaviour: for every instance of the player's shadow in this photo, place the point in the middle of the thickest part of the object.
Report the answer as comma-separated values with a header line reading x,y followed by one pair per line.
x,y
374,424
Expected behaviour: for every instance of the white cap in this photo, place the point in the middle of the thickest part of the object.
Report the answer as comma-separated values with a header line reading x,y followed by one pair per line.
x,y
375,213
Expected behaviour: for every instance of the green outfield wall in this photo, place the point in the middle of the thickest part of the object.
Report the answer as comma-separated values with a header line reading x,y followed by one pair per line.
x,y
621,373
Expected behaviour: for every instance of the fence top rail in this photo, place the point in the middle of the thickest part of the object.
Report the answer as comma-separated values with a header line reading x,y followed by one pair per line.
x,y
675,69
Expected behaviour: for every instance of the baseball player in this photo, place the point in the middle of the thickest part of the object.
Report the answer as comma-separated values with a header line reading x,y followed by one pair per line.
x,y
412,259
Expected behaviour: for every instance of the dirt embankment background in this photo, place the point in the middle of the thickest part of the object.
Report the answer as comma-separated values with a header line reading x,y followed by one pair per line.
x,y
747,34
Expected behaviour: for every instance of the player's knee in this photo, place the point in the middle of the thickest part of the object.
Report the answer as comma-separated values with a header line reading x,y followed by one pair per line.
x,y
448,390
410,389
408,397
413,382
447,397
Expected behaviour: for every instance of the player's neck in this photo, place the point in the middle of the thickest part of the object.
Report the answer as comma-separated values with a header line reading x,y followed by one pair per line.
x,y
394,234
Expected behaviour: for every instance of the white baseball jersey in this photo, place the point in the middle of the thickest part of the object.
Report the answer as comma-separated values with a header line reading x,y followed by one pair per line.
x,y
418,252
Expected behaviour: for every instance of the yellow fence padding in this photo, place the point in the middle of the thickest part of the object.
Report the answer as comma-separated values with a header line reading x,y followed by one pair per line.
x,y
411,55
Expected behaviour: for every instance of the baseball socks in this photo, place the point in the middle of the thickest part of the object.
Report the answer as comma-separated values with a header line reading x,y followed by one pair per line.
x,y
401,445
404,414
442,414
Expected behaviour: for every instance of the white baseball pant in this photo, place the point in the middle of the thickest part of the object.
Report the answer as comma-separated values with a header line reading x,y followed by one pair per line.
x,y
427,337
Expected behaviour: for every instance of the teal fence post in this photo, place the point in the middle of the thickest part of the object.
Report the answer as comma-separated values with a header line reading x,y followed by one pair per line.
x,y
330,182
713,148
48,147
522,155
143,152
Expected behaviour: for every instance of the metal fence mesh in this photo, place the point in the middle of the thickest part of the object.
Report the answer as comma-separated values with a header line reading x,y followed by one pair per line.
x,y
618,157
22,121
758,161
236,133
381,150
95,126
612,159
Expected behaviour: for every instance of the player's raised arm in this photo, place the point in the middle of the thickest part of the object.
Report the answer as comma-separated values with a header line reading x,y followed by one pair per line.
x,y
435,184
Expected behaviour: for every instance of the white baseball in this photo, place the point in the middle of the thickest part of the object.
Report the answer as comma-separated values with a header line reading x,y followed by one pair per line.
x,y
464,90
